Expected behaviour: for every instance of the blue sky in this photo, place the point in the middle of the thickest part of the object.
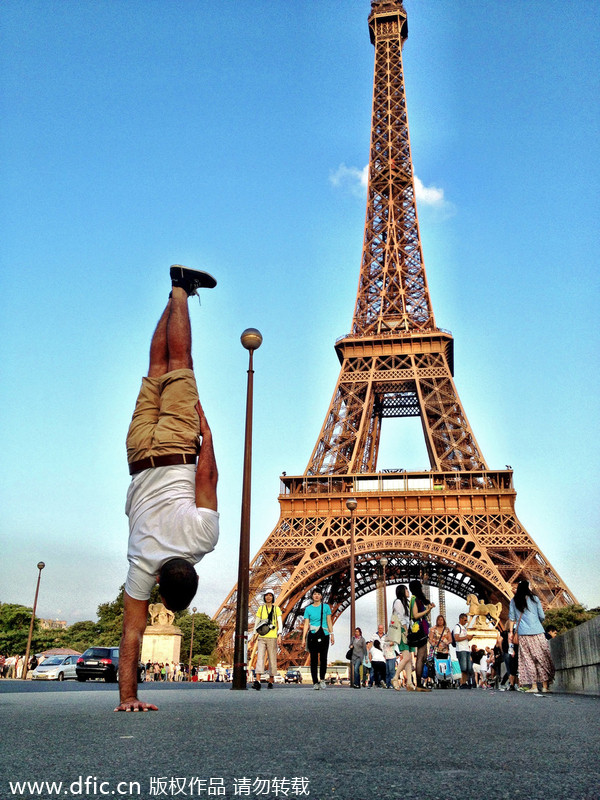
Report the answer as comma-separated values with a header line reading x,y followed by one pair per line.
x,y
232,137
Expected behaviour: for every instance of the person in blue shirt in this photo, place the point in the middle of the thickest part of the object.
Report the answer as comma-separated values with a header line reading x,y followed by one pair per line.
x,y
525,616
316,636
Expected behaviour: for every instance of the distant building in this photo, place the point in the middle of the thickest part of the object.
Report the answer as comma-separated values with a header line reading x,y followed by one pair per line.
x,y
53,624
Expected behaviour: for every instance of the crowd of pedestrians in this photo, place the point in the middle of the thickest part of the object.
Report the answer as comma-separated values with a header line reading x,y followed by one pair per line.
x,y
13,666
405,656
166,671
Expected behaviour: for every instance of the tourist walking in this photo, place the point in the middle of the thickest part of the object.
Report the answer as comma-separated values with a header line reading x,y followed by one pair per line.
x,y
439,638
359,651
317,634
525,616
267,627
390,653
377,662
419,608
463,652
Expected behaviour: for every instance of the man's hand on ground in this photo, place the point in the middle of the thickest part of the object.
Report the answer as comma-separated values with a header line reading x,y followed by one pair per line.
x,y
136,705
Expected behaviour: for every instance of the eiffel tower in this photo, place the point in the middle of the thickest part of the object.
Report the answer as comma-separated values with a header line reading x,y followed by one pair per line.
x,y
454,525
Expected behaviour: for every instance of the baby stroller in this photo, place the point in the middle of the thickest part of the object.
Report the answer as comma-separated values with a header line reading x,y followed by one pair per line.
x,y
443,678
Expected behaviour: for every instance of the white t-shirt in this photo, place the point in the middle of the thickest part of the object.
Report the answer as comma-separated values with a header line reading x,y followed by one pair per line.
x,y
375,654
464,646
165,523
398,608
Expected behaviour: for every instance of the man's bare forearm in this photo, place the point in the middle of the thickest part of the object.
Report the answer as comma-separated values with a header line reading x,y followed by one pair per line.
x,y
135,613
129,655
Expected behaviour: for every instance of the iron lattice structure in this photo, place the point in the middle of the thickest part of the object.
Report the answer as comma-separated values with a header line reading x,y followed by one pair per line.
x,y
453,526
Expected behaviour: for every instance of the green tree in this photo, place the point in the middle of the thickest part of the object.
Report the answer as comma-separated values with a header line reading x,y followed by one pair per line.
x,y
14,628
110,621
81,635
206,633
568,617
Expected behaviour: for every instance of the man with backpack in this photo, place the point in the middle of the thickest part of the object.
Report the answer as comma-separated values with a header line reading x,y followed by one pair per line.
x,y
460,639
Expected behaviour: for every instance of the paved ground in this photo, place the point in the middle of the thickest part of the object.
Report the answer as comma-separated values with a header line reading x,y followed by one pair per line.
x,y
207,740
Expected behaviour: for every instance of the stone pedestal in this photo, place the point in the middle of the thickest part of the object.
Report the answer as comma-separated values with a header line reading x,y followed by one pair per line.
x,y
161,645
483,637
162,639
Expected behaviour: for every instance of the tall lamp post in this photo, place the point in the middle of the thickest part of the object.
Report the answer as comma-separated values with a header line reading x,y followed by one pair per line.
x,y
251,339
191,644
351,505
384,562
40,567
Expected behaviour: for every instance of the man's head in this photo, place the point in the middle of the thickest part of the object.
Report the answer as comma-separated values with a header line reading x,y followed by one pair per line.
x,y
462,619
177,583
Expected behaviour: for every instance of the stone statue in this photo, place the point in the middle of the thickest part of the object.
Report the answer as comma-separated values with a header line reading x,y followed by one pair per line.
x,y
160,616
479,611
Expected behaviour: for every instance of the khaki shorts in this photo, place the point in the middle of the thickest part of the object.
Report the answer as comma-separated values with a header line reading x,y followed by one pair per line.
x,y
165,419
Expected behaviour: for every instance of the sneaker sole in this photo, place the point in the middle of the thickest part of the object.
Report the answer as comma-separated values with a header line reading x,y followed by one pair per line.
x,y
200,279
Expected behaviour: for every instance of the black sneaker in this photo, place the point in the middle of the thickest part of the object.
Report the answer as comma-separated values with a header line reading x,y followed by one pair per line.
x,y
269,685
256,685
191,279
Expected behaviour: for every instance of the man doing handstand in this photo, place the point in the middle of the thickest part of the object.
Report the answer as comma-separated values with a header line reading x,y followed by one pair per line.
x,y
172,497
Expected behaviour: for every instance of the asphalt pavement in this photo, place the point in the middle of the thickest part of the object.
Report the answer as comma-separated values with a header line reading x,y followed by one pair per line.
x,y
207,740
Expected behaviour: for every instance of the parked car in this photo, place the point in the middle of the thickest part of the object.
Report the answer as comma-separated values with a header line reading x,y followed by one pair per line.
x,y
103,662
56,668
293,676
278,679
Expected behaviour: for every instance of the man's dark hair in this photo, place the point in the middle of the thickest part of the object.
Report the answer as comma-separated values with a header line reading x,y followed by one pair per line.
x,y
177,583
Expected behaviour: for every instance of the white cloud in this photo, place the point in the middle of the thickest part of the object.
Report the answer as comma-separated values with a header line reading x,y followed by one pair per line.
x,y
354,180
351,179
429,195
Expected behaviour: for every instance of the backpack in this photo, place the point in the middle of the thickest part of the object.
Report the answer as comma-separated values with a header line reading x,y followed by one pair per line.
x,y
454,642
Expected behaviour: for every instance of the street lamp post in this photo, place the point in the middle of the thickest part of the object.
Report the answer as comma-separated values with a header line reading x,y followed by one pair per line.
x,y
191,644
40,567
251,339
384,562
351,505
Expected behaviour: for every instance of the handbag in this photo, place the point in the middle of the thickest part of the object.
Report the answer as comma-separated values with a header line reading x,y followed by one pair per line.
x,y
266,626
516,631
316,637
416,638
394,633
349,654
